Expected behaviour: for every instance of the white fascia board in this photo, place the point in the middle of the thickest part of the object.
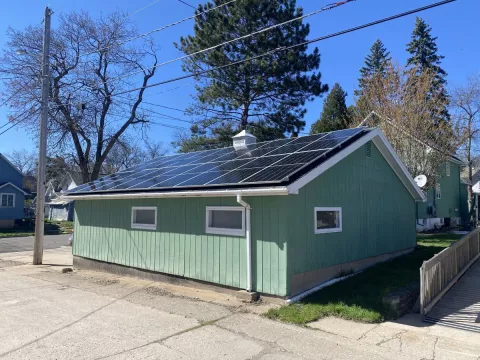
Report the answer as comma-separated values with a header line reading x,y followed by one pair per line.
x,y
385,149
274,191
14,186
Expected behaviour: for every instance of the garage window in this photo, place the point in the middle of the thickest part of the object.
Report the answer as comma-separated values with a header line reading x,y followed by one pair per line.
x,y
144,217
328,220
7,200
225,220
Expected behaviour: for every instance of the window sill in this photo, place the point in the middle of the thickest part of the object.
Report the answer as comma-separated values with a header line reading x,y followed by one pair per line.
x,y
327,231
144,227
226,232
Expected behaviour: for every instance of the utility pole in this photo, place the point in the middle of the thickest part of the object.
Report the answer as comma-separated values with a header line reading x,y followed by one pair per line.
x,y
42,151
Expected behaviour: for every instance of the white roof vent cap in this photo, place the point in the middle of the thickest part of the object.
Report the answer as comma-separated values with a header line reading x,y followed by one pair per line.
x,y
243,139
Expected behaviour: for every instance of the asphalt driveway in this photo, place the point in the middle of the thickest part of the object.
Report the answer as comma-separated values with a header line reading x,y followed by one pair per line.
x,y
17,244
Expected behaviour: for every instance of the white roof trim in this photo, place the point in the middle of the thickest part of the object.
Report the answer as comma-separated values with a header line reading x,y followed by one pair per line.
x,y
281,190
386,150
10,163
16,187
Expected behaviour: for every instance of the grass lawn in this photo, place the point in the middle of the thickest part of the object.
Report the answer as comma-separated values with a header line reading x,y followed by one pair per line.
x,y
359,298
51,228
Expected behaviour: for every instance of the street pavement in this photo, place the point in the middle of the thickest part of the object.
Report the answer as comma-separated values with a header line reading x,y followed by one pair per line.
x,y
16,244
47,314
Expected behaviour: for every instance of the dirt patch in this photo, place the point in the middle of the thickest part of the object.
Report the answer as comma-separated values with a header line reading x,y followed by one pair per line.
x,y
9,263
153,290
106,282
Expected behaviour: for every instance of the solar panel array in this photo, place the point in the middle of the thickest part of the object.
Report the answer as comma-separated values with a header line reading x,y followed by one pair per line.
x,y
262,163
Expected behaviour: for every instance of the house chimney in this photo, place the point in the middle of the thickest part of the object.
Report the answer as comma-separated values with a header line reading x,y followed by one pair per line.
x,y
243,139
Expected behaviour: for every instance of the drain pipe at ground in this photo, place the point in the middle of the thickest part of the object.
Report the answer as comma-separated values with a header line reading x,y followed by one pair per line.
x,y
249,241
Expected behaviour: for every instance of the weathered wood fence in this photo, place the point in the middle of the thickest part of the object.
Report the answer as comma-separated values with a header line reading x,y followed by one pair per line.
x,y
441,272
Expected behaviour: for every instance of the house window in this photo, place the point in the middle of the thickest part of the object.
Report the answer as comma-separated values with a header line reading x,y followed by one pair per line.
x,y
144,217
447,169
438,191
328,219
7,200
225,220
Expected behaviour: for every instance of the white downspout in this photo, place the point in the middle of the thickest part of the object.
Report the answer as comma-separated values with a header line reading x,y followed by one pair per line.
x,y
248,240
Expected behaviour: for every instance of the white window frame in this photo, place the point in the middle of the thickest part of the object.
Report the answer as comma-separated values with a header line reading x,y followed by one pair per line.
x,y
326,231
7,207
447,168
144,226
224,231
438,192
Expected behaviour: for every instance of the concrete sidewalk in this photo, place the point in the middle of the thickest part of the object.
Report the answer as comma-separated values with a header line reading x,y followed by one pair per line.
x,y
86,315
46,314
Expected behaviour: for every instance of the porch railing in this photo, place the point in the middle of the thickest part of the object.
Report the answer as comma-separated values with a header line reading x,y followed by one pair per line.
x,y
441,272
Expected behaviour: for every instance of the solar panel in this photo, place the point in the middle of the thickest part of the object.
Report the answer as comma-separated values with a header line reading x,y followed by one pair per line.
x,y
268,162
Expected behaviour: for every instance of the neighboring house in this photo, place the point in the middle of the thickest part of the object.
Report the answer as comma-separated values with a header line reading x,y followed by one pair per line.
x,y
11,194
276,217
445,202
57,208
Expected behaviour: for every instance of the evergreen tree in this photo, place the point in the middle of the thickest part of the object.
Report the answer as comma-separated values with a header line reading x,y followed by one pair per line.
x,y
424,57
375,63
335,114
265,95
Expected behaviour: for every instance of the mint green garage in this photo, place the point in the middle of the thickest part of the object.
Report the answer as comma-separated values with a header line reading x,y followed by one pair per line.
x,y
339,201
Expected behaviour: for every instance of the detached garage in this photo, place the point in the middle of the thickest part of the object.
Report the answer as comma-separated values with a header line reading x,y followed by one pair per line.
x,y
277,217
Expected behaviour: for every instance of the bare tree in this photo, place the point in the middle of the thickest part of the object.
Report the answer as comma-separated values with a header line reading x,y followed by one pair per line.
x,y
91,60
465,104
127,153
24,160
403,109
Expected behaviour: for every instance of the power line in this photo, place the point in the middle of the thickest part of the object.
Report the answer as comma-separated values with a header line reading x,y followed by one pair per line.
x,y
298,18
141,9
284,48
159,29
184,2
15,124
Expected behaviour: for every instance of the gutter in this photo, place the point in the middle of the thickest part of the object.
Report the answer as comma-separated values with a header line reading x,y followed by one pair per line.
x,y
248,228
273,191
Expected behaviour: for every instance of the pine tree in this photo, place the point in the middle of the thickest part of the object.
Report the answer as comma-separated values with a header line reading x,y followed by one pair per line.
x,y
424,57
375,63
335,114
265,95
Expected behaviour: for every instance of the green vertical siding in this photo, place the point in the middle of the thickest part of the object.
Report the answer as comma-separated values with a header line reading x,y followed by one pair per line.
x,y
378,214
450,187
378,218
180,245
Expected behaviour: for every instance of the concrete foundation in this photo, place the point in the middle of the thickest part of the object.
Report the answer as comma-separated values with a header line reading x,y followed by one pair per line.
x,y
436,223
7,224
305,281
96,265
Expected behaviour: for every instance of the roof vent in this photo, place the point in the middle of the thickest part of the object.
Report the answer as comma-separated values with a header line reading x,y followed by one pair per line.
x,y
243,139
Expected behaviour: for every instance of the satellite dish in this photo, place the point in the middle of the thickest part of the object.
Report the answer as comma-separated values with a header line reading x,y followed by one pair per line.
x,y
421,180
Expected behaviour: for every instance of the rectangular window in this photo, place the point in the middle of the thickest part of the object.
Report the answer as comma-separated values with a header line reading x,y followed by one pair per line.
x,y
328,219
447,168
7,200
225,220
438,191
144,217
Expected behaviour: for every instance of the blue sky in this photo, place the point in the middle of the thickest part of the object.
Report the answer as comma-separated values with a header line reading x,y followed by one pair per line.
x,y
454,24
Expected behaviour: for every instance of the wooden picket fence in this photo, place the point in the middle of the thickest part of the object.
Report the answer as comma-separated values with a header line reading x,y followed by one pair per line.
x,y
441,272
